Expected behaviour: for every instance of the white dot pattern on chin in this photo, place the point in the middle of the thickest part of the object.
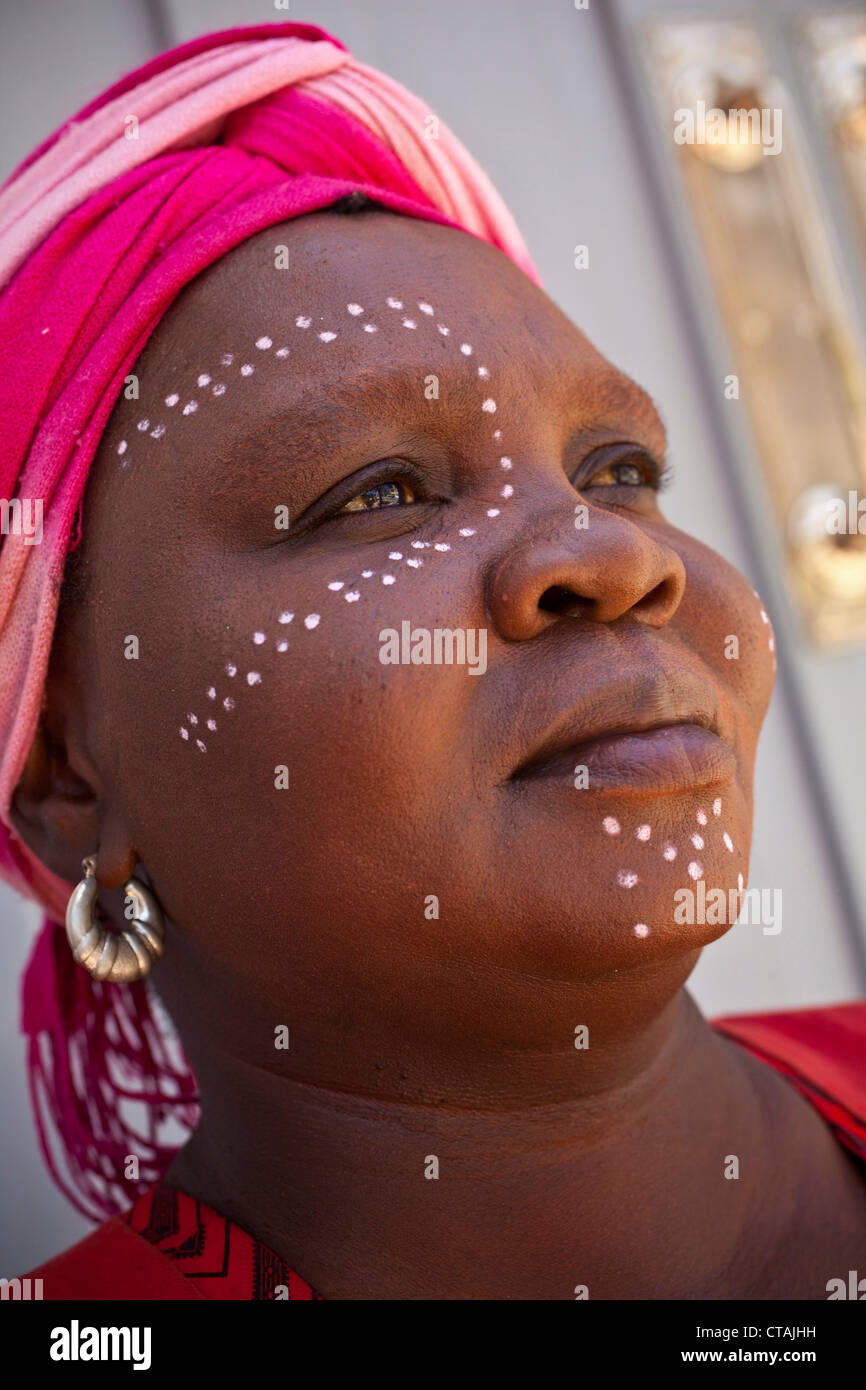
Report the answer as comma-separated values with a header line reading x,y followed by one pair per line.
x,y
630,878
398,561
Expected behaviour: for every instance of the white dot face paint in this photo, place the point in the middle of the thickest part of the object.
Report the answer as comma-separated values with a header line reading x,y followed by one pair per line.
x,y
347,588
626,878
144,425
121,448
184,733
701,818
740,882
641,929
717,806
202,747
696,869
729,844
670,853
611,825
643,832
698,841
211,723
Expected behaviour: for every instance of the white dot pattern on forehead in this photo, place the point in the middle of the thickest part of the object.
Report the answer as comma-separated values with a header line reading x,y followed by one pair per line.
x,y
627,878
611,825
641,929
345,588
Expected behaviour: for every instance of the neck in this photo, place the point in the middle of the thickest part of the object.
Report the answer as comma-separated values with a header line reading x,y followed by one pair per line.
x,y
622,1191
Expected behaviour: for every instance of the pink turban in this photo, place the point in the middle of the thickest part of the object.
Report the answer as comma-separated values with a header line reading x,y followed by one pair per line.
x,y
100,229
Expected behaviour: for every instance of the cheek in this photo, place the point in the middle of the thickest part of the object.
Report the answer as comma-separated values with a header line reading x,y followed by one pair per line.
x,y
724,620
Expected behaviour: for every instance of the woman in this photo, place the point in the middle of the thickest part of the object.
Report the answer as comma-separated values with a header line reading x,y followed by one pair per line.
x,y
417,931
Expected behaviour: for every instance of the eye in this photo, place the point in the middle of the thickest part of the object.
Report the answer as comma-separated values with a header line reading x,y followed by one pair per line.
x,y
626,468
393,494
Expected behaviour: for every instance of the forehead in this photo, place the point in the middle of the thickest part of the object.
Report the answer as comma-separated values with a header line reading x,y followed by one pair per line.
x,y
342,274
338,322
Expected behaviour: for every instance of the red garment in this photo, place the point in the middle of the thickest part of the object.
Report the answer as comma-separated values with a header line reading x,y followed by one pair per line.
x,y
171,1246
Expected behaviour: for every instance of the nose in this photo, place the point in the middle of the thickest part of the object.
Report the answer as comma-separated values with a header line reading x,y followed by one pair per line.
x,y
611,569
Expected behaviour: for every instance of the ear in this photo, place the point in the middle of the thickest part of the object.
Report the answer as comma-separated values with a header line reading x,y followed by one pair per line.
x,y
59,813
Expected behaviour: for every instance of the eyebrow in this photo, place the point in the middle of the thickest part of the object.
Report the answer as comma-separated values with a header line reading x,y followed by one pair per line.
x,y
622,394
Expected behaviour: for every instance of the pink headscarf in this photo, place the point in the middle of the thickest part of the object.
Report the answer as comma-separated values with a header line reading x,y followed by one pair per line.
x,y
100,229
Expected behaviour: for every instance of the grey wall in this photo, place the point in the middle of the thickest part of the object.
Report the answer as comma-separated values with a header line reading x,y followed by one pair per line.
x,y
531,88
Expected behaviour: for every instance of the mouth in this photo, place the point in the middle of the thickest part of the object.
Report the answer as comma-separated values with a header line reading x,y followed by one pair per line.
x,y
656,737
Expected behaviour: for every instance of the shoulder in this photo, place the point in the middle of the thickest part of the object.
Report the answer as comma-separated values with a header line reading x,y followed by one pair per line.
x,y
822,1051
113,1262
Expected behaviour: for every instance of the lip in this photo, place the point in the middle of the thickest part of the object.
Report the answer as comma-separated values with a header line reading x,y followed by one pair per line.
x,y
659,734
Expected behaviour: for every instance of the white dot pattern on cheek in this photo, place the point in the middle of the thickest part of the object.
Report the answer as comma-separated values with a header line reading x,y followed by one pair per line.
x,y
345,588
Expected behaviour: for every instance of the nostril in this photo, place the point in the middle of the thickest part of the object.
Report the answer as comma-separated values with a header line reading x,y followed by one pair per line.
x,y
558,599
657,600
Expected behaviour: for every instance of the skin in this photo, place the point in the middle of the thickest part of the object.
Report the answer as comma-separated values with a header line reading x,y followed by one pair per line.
x,y
414,1036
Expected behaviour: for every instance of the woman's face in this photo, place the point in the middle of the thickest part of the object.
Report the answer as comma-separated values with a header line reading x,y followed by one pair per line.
x,y
398,432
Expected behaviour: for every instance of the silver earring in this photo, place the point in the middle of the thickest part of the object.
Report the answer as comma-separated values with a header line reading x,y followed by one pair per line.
x,y
117,956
